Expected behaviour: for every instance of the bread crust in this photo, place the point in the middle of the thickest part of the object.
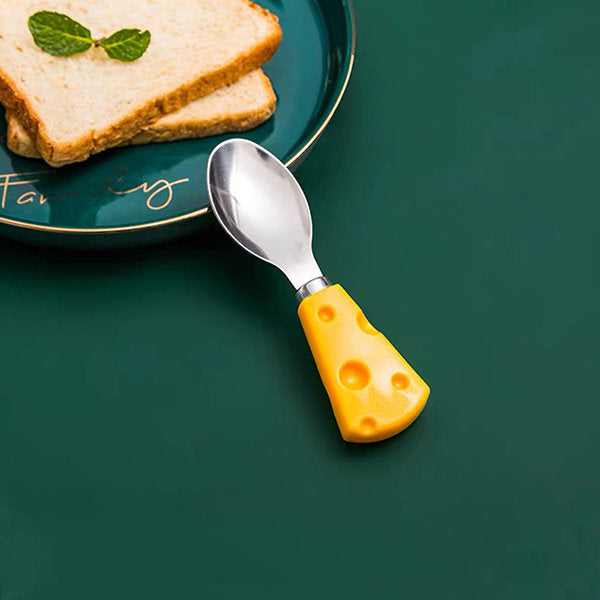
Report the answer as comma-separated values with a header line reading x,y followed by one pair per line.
x,y
60,154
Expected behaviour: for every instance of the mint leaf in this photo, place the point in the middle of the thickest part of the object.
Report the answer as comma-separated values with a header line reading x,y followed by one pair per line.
x,y
58,34
126,45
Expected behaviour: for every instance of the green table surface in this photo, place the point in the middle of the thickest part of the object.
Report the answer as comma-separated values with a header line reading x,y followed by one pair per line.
x,y
163,430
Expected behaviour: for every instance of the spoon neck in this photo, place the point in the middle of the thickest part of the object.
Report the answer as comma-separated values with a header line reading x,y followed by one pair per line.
x,y
312,287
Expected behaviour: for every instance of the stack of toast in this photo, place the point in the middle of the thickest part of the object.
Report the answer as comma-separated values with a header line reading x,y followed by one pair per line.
x,y
200,76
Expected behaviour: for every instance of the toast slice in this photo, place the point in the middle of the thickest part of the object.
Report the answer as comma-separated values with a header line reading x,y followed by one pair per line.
x,y
76,106
239,106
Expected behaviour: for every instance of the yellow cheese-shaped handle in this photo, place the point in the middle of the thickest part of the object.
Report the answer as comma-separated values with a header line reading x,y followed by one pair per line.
x,y
374,392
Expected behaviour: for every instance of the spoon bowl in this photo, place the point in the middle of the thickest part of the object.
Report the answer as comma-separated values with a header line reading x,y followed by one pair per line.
x,y
263,208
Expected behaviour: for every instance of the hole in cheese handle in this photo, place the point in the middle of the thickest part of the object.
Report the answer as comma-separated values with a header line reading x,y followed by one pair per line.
x,y
374,392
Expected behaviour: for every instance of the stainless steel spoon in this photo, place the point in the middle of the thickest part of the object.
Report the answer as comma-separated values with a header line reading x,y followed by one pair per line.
x,y
373,391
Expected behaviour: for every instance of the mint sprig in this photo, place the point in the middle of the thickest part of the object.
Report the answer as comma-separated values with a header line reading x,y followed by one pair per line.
x,y
59,35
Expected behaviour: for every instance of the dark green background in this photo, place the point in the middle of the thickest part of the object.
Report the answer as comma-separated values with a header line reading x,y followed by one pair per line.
x,y
164,434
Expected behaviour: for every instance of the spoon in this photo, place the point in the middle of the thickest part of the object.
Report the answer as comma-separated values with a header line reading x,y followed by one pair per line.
x,y
374,392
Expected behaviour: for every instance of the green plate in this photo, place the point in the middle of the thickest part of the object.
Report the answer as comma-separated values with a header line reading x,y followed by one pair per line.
x,y
145,194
